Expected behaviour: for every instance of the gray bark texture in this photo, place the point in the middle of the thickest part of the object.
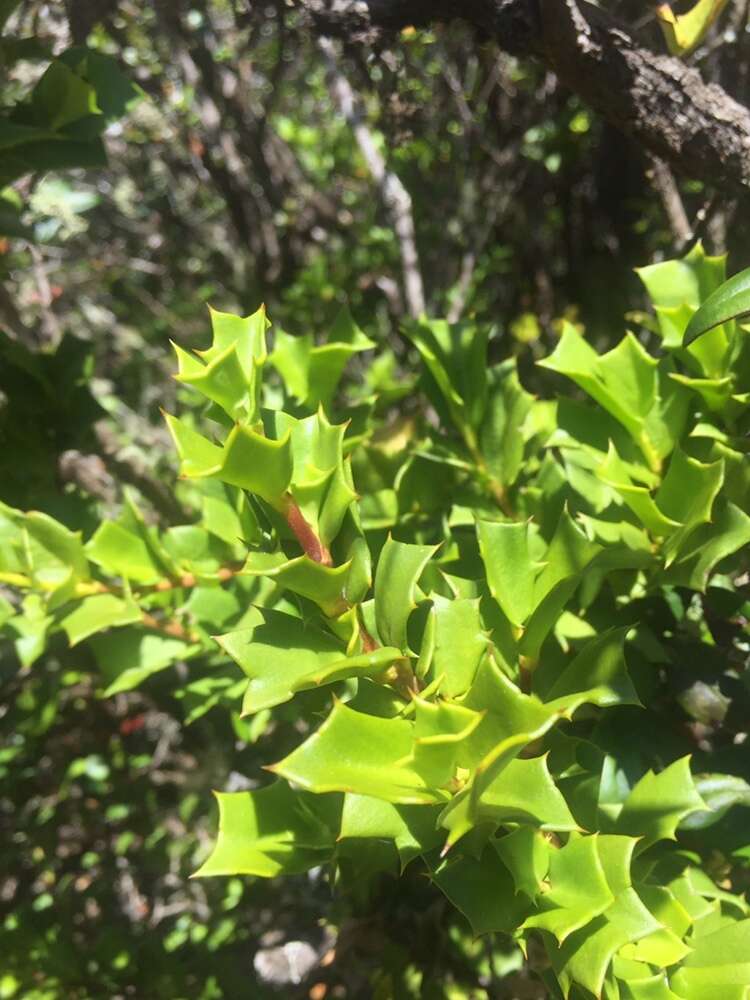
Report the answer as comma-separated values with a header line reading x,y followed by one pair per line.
x,y
664,104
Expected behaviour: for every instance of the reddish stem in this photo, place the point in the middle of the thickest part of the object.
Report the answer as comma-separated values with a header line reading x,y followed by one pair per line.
x,y
311,544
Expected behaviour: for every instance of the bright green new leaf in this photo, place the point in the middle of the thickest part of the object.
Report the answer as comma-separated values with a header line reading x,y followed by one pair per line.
x,y
248,459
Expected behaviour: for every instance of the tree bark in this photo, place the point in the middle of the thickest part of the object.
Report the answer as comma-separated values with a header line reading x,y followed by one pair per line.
x,y
661,102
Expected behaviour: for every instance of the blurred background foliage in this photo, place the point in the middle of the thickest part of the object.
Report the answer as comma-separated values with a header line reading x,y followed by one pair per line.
x,y
235,174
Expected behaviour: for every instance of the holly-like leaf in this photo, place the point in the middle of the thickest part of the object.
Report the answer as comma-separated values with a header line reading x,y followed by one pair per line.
x,y
322,584
312,373
123,553
282,655
248,459
413,829
510,567
524,792
501,440
456,357
677,288
658,804
525,853
354,752
399,569
456,644
267,832
718,962
598,675
483,891
684,32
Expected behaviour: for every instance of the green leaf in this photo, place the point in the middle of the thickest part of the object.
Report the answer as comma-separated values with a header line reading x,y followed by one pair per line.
x,y
598,675
353,752
718,960
728,532
501,440
511,570
267,832
731,300
98,613
614,473
719,792
248,459
282,655
659,803
128,657
312,373
322,584
525,853
687,495
456,357
61,97
684,32
228,372
458,643
624,382
441,730
483,891
586,955
413,829
399,568
123,553
524,792
677,288
512,720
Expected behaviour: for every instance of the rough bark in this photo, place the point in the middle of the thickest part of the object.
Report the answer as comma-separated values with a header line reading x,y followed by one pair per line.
x,y
658,100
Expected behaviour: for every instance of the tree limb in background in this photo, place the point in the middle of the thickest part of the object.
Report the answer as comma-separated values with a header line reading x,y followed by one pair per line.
x,y
658,100
663,182
395,196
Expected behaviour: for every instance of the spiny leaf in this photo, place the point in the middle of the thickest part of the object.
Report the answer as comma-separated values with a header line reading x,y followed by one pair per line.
x,y
354,752
658,803
282,655
399,568
266,832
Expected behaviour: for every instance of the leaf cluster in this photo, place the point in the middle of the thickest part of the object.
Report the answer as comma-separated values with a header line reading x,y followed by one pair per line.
x,y
508,628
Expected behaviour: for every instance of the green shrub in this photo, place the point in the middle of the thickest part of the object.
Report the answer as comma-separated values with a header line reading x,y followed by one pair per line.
x,y
510,631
